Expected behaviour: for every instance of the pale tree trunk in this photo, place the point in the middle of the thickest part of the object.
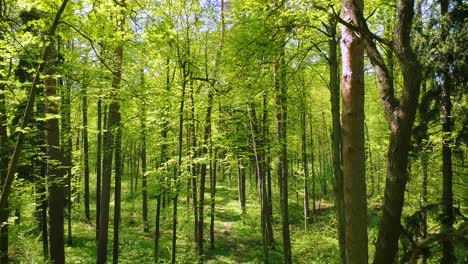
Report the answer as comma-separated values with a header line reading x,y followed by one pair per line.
x,y
354,167
400,114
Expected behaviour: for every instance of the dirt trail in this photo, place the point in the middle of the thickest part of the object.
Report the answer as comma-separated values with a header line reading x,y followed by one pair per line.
x,y
227,234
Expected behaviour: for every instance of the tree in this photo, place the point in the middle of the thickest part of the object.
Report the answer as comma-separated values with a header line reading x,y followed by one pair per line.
x,y
354,167
400,114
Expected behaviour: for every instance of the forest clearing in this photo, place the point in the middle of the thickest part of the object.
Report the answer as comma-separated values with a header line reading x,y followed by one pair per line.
x,y
234,131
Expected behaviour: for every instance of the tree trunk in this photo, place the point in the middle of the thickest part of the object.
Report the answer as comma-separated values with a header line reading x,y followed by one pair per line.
x,y
280,88
27,113
260,173
448,255
354,167
86,152
4,152
66,141
118,186
143,167
306,170
338,187
113,124
54,160
99,161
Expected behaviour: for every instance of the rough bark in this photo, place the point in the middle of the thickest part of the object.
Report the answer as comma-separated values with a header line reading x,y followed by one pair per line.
x,y
3,171
354,169
117,191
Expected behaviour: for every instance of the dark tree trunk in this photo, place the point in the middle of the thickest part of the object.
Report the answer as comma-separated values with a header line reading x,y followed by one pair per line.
x,y
260,173
118,186
113,124
86,152
280,88
354,166
27,113
4,152
338,187
66,141
99,161
55,173
207,142
448,255
143,167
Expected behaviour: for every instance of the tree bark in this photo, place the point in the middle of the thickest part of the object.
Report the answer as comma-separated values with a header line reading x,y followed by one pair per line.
x,y
118,186
4,143
338,187
354,169
54,160
143,167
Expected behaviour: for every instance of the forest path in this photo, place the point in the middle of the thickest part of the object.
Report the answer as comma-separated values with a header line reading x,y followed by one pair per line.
x,y
228,238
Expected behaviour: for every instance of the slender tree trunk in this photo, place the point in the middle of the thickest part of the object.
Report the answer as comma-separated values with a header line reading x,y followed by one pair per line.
x,y
279,73
86,152
306,170
99,161
267,171
66,141
213,170
354,167
258,153
41,182
193,168
55,173
312,163
113,124
4,152
143,167
338,187
423,201
178,169
448,255
118,186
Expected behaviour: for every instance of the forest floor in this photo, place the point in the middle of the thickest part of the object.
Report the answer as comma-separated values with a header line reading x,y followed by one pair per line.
x,y
237,237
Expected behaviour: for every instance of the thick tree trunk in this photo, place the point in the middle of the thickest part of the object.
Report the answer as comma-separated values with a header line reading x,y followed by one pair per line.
x,y
55,173
400,114
354,167
338,187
